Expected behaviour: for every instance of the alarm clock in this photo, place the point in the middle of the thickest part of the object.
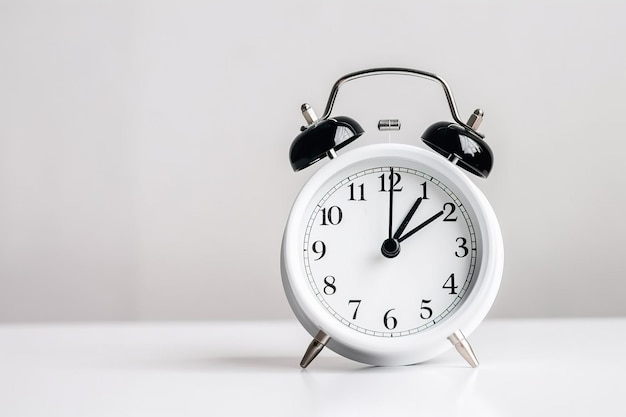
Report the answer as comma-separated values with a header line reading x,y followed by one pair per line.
x,y
391,254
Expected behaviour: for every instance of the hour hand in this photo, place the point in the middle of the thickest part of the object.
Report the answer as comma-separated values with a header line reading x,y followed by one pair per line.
x,y
407,218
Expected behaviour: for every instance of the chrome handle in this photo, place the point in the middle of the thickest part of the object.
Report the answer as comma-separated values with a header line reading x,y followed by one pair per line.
x,y
394,71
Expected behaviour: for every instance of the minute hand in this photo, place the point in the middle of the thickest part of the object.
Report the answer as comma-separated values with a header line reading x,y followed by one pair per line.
x,y
421,226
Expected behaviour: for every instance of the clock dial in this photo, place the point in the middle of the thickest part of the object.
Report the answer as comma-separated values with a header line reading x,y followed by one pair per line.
x,y
389,251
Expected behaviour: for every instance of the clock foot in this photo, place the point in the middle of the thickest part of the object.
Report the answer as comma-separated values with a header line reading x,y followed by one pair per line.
x,y
463,347
316,346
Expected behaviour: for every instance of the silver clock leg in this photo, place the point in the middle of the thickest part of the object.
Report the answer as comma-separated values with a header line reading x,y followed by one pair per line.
x,y
463,347
316,346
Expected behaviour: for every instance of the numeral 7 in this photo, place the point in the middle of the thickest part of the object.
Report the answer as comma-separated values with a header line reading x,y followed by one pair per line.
x,y
358,304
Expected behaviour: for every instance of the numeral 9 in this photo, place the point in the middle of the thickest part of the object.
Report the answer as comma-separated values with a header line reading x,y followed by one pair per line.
x,y
319,248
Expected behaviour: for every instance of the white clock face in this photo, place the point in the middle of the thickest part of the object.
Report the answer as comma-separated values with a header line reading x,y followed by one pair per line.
x,y
389,250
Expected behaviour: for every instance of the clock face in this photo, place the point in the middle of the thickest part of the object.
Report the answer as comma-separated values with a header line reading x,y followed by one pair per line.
x,y
389,250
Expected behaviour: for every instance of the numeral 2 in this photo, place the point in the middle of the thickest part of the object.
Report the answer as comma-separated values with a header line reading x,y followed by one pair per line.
x,y
451,207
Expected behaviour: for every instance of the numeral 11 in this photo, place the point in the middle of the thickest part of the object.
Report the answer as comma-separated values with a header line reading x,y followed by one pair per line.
x,y
361,187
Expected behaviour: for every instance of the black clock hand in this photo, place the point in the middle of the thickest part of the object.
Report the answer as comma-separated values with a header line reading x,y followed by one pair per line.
x,y
390,203
407,219
421,226
391,246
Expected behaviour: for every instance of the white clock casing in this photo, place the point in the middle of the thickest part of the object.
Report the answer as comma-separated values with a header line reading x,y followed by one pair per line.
x,y
411,345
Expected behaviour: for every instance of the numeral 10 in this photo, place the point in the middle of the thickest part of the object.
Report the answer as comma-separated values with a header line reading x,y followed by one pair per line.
x,y
331,216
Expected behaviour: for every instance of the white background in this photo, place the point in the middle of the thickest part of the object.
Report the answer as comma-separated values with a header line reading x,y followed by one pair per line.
x,y
143,144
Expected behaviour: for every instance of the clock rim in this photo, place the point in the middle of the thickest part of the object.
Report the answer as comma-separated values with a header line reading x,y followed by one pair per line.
x,y
422,345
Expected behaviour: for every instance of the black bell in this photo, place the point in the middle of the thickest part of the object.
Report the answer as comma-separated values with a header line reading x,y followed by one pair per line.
x,y
460,145
318,139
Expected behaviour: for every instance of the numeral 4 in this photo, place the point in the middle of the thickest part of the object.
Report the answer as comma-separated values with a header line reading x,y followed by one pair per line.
x,y
450,285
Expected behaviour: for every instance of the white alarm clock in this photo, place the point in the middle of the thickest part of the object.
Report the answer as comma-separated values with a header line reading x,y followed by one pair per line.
x,y
391,255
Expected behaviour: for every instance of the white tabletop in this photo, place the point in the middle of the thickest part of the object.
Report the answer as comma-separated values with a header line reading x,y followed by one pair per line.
x,y
528,368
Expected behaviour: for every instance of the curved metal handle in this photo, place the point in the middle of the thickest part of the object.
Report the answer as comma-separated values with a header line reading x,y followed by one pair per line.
x,y
394,71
